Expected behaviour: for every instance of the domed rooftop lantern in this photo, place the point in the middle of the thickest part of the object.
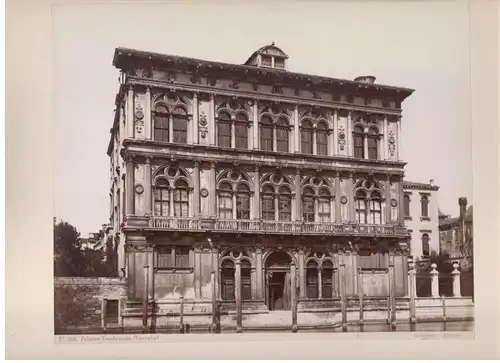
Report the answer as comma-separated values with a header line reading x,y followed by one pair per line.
x,y
269,56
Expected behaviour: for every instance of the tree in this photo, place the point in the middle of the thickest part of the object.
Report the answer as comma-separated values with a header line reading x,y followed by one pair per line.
x,y
69,259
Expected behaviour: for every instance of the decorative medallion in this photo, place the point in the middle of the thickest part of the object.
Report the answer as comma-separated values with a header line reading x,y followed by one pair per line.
x,y
249,103
341,137
392,143
343,200
203,124
139,189
139,111
204,192
277,90
394,202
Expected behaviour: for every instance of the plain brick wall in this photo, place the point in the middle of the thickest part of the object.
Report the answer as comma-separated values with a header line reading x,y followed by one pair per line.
x,y
78,301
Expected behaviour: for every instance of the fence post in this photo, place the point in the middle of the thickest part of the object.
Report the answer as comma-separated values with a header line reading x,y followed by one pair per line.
x,y
360,294
293,294
238,296
456,280
145,295
181,316
392,292
343,301
412,289
434,281
444,308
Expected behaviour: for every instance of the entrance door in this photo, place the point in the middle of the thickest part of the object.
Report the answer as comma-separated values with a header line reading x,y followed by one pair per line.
x,y
279,291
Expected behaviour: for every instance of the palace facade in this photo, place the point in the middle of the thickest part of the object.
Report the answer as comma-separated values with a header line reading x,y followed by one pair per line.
x,y
277,182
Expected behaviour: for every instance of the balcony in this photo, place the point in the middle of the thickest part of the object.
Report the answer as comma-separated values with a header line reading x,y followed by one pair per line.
x,y
257,226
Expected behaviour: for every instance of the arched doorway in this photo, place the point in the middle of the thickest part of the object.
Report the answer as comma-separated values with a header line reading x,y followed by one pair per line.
x,y
277,274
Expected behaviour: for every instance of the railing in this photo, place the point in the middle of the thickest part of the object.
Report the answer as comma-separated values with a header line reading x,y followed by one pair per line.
x,y
267,226
183,223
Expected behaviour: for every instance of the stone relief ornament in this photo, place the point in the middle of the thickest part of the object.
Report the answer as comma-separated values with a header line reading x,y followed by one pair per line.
x,y
139,189
204,193
139,116
394,202
392,143
203,124
343,200
341,137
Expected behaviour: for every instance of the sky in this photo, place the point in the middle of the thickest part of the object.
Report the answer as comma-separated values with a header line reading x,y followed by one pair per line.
x,y
423,46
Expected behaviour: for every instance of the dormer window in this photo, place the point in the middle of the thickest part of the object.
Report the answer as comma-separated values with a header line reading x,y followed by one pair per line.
x,y
279,63
269,56
266,61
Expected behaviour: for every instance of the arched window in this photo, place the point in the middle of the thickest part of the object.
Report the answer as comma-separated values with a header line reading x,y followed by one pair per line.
x,y
224,130
426,251
268,203
241,131
266,134
312,279
361,207
372,144
180,121
162,198
285,204
358,137
322,139
424,201
282,135
306,135
161,119
324,212
181,199
327,279
225,201
227,274
376,208
243,202
246,280
308,205
407,205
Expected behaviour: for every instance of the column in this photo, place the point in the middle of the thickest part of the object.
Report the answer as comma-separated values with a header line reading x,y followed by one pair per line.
x,y
412,290
349,135
145,293
316,209
170,128
456,281
275,142
276,208
237,281
233,134
211,121
255,125
434,281
296,129
171,204
130,112
148,187
196,189
291,140
293,296
343,292
298,196
215,269
350,192
320,283
197,272
334,134
392,292
398,140
387,190
250,137
401,211
315,146
302,274
338,216
365,145
196,107
256,199
385,140
129,186
148,126
213,196
258,273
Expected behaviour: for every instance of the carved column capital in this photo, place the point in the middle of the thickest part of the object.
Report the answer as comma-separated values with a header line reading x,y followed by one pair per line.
x,y
149,159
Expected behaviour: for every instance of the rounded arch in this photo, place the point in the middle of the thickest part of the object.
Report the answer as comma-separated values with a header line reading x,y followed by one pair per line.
x,y
317,182
322,125
276,256
161,107
234,178
224,114
306,123
172,174
266,118
359,128
276,179
373,130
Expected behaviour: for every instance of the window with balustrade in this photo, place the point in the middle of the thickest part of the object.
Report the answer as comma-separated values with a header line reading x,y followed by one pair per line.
x,y
276,198
358,141
171,192
228,276
180,125
282,134
225,201
322,139
324,205
327,276
316,200
312,279
306,137
376,208
285,204
243,202
360,201
308,205
266,134
233,193
228,280
181,199
174,257
267,196
368,202
373,138
241,131
161,123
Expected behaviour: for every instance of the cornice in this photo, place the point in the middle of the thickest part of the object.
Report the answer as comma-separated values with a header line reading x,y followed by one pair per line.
x,y
293,100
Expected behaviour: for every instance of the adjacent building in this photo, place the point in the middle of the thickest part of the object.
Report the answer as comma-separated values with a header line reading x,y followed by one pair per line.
x,y
273,180
421,213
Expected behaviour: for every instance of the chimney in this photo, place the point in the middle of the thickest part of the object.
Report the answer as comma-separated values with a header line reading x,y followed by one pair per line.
x,y
431,182
462,202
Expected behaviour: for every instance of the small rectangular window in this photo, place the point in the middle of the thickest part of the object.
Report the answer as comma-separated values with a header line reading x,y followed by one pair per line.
x,y
111,312
173,257
266,61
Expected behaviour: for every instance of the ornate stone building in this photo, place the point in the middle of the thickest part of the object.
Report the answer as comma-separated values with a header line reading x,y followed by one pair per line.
x,y
276,181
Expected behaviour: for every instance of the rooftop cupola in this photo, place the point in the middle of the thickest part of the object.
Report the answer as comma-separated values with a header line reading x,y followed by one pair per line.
x,y
269,56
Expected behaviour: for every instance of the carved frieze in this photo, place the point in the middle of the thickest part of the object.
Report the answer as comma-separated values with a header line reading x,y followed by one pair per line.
x,y
341,137
392,143
203,128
